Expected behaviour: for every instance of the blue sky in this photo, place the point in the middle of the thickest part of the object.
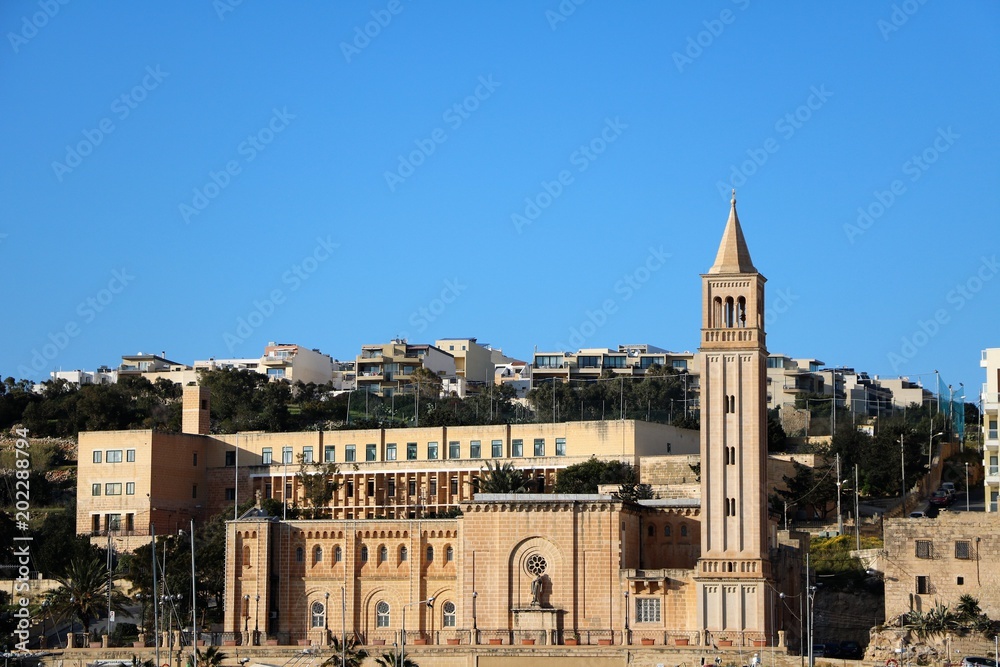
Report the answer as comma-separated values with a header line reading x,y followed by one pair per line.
x,y
202,178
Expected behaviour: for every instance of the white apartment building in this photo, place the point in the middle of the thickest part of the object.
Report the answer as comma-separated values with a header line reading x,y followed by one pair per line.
x,y
990,399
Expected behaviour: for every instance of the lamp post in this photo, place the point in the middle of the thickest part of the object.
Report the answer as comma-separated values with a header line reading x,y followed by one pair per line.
x,y
783,597
930,447
810,595
326,615
256,620
625,635
402,644
966,486
246,615
475,630
902,470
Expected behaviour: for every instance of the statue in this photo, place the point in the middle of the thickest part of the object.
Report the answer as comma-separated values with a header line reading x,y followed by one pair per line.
x,y
536,591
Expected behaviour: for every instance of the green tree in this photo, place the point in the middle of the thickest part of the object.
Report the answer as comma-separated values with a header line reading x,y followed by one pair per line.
x,y
499,478
318,482
391,659
351,652
83,592
775,432
810,488
585,477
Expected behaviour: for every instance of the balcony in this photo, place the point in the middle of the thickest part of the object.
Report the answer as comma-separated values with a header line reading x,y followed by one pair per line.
x,y
992,472
276,361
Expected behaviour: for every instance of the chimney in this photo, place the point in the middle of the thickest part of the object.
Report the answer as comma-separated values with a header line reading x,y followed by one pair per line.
x,y
195,411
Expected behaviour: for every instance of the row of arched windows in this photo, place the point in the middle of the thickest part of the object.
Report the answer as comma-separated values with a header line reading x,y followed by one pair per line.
x,y
729,313
363,554
651,530
317,614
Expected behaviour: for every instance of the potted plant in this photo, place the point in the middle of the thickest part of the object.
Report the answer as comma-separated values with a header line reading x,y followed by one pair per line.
x,y
454,641
647,641
680,641
604,642
495,641
724,642
95,640
571,640
527,642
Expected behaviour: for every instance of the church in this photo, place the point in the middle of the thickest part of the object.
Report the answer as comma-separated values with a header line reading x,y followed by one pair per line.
x,y
551,569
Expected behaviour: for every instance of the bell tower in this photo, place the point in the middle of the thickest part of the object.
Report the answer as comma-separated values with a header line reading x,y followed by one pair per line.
x,y
733,570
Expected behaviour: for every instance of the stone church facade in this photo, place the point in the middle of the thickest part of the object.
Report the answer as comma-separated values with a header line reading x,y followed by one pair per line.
x,y
556,569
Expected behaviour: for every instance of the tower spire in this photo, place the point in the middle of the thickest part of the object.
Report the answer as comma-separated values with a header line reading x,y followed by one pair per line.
x,y
733,255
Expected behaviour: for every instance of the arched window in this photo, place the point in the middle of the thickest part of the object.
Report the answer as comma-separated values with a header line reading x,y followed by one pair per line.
x,y
449,554
382,614
666,530
430,554
716,313
300,555
383,554
318,554
684,530
338,554
364,554
403,554
318,614
448,611
729,314
246,556
741,312
651,531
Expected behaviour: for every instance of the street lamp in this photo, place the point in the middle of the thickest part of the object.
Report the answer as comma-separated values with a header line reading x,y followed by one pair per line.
x,y
475,632
246,615
810,598
402,644
966,486
326,616
625,635
256,620
930,447
784,597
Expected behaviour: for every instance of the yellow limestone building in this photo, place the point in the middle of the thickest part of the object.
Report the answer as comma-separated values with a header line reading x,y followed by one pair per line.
x,y
554,569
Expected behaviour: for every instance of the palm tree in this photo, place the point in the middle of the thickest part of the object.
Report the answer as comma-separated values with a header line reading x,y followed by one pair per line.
x,y
391,659
83,592
351,652
210,657
499,478
968,608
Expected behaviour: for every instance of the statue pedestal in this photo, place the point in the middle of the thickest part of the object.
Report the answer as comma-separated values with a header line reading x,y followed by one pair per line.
x,y
541,624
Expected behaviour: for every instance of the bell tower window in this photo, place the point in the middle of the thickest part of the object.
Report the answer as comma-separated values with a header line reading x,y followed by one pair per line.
x,y
729,314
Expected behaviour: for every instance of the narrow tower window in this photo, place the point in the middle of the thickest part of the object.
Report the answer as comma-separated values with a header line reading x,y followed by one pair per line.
x,y
729,314
741,312
716,313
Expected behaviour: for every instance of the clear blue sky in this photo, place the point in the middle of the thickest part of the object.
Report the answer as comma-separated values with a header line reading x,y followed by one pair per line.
x,y
168,168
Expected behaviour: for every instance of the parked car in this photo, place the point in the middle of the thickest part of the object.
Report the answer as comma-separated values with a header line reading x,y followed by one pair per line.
x,y
832,650
950,488
978,661
941,498
850,650
819,650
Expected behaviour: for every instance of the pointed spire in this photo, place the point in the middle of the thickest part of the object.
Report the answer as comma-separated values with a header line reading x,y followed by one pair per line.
x,y
733,256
